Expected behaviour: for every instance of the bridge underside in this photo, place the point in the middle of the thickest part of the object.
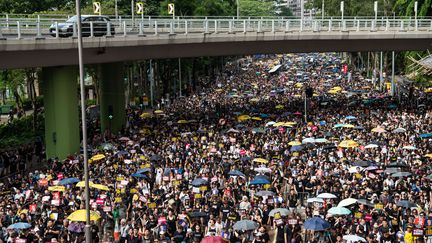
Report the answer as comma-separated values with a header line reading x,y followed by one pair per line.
x,y
53,52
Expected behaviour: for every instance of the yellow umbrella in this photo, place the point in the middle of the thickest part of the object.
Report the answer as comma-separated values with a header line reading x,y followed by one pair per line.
x,y
298,85
348,144
158,111
348,125
294,143
297,95
182,122
82,184
278,124
257,118
428,156
56,188
332,91
243,118
254,100
279,107
428,90
260,160
145,115
81,216
100,187
219,90
97,157
379,130
290,123
338,88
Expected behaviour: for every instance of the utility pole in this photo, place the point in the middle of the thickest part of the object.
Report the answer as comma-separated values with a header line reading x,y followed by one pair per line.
x,y
322,10
393,85
301,14
381,70
238,9
180,77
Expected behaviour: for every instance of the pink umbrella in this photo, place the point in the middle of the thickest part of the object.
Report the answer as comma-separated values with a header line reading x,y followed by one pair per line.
x,y
298,113
213,239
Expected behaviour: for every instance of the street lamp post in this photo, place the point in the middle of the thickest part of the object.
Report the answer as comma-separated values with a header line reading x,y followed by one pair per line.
x,y
116,10
238,9
87,231
376,11
301,14
322,10
342,10
415,14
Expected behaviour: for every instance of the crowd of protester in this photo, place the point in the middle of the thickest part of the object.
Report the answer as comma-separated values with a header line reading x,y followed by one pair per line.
x,y
239,163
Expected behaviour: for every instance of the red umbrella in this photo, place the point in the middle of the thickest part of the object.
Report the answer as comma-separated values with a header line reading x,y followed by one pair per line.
x,y
213,239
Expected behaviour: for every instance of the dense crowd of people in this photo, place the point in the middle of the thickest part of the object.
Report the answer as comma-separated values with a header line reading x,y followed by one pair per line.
x,y
242,162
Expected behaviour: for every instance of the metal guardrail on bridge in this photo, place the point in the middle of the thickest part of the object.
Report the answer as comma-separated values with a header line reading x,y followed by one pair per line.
x,y
55,28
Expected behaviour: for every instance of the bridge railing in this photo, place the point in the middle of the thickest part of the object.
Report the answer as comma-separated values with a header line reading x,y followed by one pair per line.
x,y
47,28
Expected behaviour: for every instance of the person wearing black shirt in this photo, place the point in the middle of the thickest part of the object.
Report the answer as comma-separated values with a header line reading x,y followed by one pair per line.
x,y
51,231
179,235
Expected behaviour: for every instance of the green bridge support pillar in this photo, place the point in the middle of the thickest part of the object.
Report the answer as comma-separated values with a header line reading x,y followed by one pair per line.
x,y
112,94
60,89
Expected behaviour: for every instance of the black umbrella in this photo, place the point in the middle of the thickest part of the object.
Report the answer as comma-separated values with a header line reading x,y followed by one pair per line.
x,y
365,202
156,158
362,163
329,147
199,182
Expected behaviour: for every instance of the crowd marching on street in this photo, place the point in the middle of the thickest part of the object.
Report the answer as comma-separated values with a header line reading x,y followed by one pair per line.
x,y
283,148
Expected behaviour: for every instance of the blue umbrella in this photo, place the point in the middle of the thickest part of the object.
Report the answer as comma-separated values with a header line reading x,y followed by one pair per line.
x,y
350,117
236,173
338,125
19,226
426,135
316,224
246,158
322,123
138,175
67,181
262,115
259,181
199,182
339,211
123,152
296,148
144,170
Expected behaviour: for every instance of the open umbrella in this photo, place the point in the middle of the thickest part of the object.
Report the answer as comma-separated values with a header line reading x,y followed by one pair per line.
x,y
145,170
326,195
426,135
263,170
296,148
259,181
339,211
56,188
97,157
294,143
365,202
351,118
260,160
107,146
399,130
236,173
361,163
316,224
379,130
264,193
348,144
138,175
406,204
409,147
155,158
347,202
353,238
99,187
315,200
401,174
199,182
245,225
19,226
82,184
282,211
81,216
213,239
67,181
371,146
308,140
321,140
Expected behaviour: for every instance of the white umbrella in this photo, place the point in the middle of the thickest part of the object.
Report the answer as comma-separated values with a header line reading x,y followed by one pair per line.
x,y
262,170
314,200
355,169
321,140
409,147
270,123
326,196
371,146
347,202
308,140
399,130
353,238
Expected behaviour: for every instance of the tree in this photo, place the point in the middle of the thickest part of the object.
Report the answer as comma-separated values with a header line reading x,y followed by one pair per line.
x,y
257,8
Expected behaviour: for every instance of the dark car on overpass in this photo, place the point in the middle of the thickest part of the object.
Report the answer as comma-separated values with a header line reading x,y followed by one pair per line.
x,y
99,23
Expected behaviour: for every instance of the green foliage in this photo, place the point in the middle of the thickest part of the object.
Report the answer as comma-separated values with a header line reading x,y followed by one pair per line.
x,y
355,7
256,8
20,131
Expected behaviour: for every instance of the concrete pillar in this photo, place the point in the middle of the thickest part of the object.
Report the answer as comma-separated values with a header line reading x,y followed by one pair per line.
x,y
112,94
60,89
